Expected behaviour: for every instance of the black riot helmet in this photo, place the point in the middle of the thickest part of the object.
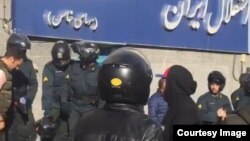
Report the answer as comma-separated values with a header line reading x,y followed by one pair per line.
x,y
125,77
88,52
46,127
18,41
61,54
217,78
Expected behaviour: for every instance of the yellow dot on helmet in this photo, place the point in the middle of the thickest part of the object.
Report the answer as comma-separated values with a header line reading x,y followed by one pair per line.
x,y
116,82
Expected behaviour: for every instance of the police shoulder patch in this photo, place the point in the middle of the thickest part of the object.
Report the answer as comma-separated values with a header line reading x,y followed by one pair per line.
x,y
67,76
237,98
45,79
199,106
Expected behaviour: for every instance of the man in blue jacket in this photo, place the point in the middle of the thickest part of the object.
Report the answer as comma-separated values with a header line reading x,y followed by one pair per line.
x,y
157,106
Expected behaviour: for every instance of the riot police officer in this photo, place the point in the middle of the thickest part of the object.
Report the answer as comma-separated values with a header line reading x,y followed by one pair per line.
x,y
238,97
246,101
214,105
124,82
56,77
241,116
24,88
17,44
84,96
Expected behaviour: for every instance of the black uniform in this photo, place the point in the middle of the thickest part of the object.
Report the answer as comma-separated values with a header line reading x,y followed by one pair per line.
x,y
239,99
56,88
24,86
55,94
242,113
84,95
240,117
208,105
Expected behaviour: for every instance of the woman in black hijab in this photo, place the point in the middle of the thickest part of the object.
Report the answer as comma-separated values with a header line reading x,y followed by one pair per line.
x,y
182,109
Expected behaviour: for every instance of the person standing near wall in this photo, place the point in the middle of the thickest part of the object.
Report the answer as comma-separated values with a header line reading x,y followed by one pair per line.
x,y
24,88
84,96
14,55
180,85
157,106
56,88
241,116
213,105
238,97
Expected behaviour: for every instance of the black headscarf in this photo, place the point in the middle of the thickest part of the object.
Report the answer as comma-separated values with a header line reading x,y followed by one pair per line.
x,y
183,110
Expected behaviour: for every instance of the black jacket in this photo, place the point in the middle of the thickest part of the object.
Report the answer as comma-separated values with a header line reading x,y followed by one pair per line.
x,y
236,97
55,87
84,87
209,104
182,109
117,122
240,117
240,99
24,81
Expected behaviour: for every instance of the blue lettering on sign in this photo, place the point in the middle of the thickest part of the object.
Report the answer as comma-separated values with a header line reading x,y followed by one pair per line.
x,y
226,10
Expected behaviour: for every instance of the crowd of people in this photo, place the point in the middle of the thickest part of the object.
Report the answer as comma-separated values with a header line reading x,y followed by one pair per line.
x,y
85,101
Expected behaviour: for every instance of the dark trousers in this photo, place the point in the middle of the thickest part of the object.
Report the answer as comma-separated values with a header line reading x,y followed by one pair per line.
x,y
21,127
75,115
2,135
63,129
